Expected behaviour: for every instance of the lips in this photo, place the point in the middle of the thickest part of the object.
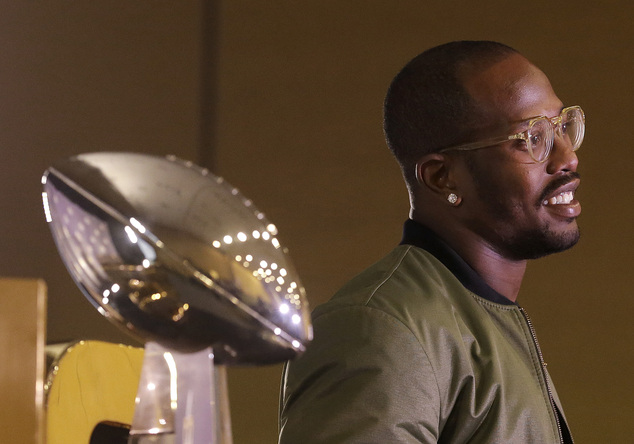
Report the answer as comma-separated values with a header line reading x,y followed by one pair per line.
x,y
560,198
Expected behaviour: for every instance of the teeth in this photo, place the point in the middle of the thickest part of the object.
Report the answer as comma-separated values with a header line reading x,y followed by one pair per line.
x,y
562,198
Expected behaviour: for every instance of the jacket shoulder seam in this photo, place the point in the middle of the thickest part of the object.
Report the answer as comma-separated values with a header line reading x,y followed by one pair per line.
x,y
388,275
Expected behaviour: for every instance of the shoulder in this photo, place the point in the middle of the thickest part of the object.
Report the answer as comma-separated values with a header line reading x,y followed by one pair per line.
x,y
364,376
375,368
407,280
375,321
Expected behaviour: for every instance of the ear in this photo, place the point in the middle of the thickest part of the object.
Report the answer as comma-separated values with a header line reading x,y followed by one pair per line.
x,y
435,173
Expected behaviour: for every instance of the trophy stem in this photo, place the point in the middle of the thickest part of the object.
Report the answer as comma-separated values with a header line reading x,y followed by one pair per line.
x,y
182,399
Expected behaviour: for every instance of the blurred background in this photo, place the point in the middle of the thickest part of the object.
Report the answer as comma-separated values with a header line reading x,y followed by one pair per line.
x,y
284,100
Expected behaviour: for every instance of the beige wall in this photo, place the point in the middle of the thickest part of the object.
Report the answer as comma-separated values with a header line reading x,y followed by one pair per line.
x,y
299,88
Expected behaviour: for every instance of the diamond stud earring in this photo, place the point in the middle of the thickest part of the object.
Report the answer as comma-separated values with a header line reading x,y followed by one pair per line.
x,y
452,198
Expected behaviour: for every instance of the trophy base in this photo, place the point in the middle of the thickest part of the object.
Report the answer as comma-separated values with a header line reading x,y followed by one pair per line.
x,y
165,438
182,399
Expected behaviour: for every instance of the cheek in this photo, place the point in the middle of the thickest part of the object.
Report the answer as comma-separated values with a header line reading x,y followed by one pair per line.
x,y
533,185
524,195
517,190
495,178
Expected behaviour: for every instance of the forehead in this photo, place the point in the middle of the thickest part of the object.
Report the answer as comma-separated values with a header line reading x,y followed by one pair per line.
x,y
511,90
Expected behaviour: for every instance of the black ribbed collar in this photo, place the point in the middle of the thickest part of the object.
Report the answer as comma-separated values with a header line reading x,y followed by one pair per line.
x,y
422,237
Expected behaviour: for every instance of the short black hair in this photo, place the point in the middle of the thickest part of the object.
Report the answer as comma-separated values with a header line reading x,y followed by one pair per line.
x,y
427,107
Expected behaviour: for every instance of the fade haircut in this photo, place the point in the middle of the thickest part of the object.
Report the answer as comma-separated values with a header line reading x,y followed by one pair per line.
x,y
427,107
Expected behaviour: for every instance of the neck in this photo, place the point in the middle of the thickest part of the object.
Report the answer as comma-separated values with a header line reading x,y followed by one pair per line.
x,y
503,275
500,273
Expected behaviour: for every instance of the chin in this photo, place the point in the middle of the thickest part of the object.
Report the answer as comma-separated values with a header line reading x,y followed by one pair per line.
x,y
540,243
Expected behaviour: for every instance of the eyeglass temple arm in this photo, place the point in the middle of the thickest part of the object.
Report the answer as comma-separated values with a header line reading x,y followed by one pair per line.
x,y
483,143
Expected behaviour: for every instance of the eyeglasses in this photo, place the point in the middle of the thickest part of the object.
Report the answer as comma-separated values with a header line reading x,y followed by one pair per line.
x,y
539,138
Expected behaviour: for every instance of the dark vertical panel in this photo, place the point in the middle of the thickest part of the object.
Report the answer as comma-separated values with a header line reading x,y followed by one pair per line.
x,y
210,31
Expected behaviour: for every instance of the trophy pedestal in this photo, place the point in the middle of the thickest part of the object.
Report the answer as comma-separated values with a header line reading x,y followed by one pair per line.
x,y
181,399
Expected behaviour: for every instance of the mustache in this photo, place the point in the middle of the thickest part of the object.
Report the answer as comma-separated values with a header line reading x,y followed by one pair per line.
x,y
559,182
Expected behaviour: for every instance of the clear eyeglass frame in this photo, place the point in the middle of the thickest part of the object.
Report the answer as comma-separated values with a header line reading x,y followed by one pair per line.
x,y
538,147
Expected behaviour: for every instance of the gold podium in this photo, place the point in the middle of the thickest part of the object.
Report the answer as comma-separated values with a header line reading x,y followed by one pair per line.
x,y
90,392
78,393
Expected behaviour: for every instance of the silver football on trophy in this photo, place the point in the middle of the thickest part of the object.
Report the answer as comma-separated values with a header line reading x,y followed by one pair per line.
x,y
175,255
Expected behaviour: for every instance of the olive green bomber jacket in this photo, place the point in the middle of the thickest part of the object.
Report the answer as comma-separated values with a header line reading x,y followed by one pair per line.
x,y
404,353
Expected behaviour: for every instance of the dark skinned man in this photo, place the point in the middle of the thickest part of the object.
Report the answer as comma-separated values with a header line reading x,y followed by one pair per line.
x,y
429,345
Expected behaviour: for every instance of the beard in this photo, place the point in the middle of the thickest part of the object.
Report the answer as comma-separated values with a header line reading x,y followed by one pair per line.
x,y
515,241
533,244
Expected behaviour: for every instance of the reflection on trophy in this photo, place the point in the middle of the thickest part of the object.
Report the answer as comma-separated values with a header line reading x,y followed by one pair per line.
x,y
180,260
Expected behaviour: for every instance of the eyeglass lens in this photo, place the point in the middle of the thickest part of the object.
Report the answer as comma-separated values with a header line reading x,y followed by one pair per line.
x,y
541,134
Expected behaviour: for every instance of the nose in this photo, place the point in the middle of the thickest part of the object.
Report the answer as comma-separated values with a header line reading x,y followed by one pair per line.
x,y
562,158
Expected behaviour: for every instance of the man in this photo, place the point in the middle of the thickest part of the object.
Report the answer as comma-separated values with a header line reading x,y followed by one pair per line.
x,y
428,345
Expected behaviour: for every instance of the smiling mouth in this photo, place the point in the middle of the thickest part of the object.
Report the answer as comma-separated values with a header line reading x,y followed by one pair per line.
x,y
562,198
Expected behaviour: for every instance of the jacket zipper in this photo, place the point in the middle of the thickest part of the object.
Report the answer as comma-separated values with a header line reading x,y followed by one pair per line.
x,y
543,366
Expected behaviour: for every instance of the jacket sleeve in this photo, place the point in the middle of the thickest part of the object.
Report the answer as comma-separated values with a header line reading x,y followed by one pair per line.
x,y
364,379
